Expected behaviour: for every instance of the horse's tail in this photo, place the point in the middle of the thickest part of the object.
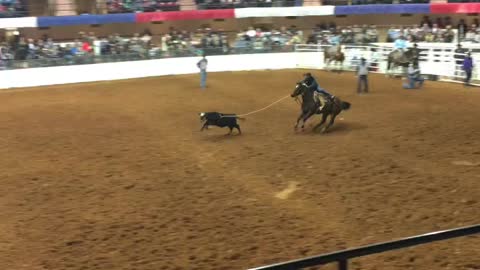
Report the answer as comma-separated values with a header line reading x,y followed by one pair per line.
x,y
346,105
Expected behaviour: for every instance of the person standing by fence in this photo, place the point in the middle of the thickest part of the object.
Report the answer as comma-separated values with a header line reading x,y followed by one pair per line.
x,y
414,78
202,65
362,72
468,67
459,55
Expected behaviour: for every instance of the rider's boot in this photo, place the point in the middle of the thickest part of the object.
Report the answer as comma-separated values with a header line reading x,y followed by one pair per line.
x,y
320,103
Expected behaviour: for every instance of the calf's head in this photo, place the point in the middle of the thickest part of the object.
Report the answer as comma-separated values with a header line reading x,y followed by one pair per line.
x,y
203,116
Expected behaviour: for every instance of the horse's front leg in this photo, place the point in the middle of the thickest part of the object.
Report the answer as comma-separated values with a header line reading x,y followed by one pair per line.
x,y
332,120
298,120
306,117
205,126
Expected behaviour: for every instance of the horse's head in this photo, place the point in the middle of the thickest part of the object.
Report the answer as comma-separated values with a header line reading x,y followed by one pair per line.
x,y
299,89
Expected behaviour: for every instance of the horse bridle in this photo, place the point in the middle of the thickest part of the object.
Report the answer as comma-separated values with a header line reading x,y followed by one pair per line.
x,y
303,92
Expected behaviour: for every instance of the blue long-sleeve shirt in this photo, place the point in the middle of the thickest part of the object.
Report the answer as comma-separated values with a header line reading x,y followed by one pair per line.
x,y
312,83
400,44
335,40
468,63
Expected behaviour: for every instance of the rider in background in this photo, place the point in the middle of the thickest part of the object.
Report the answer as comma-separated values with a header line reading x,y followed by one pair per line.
x,y
311,83
335,39
400,44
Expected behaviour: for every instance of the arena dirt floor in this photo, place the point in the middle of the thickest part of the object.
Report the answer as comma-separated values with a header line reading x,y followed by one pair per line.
x,y
117,175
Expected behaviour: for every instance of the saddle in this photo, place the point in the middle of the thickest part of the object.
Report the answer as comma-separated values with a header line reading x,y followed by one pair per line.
x,y
320,99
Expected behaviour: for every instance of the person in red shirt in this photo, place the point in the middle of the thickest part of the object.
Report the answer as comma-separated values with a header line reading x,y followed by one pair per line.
x,y
86,47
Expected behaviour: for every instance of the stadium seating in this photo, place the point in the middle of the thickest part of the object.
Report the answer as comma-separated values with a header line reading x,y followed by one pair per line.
x,y
370,2
219,4
12,8
128,6
463,1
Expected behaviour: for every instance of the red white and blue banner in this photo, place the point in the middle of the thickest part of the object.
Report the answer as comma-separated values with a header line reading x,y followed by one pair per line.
x,y
437,8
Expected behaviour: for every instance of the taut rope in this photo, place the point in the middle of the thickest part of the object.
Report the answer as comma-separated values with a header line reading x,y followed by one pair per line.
x,y
264,108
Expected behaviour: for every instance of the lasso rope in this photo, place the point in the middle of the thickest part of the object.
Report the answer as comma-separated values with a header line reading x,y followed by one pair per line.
x,y
264,108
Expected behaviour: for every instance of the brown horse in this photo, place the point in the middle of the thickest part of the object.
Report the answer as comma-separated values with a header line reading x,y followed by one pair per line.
x,y
310,107
398,58
334,54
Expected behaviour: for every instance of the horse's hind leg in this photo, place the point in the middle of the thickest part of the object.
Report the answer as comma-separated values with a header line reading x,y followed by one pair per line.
x,y
324,118
306,117
332,120
230,132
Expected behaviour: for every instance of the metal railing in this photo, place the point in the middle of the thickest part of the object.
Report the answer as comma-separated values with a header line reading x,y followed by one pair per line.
x,y
342,257
66,59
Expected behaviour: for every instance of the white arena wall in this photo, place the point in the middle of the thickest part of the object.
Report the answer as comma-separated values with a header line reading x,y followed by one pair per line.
x,y
435,60
138,69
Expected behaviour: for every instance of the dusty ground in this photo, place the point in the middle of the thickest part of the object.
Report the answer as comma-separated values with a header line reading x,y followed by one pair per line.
x,y
116,175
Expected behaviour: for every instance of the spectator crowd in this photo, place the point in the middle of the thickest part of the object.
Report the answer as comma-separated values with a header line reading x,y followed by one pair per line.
x,y
129,6
331,34
220,4
88,48
262,39
438,30
20,8
372,2
12,8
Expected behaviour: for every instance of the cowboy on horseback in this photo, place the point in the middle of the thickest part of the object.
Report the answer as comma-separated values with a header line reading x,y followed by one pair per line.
x,y
335,42
311,83
400,44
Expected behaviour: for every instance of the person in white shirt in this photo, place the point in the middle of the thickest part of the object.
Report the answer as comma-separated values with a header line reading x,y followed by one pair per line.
x,y
362,73
202,65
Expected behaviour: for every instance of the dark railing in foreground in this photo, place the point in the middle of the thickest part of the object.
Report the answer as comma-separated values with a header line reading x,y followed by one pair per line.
x,y
342,256
143,54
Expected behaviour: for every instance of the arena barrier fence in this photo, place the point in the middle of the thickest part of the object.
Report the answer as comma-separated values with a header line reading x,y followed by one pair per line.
x,y
439,60
342,257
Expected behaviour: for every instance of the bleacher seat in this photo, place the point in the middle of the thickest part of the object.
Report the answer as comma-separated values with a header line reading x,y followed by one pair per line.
x,y
127,6
12,8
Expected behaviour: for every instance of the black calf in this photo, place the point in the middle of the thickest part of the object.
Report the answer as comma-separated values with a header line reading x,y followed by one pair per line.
x,y
220,120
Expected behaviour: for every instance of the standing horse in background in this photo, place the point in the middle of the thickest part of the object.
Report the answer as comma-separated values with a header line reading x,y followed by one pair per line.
x,y
398,58
311,107
335,54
